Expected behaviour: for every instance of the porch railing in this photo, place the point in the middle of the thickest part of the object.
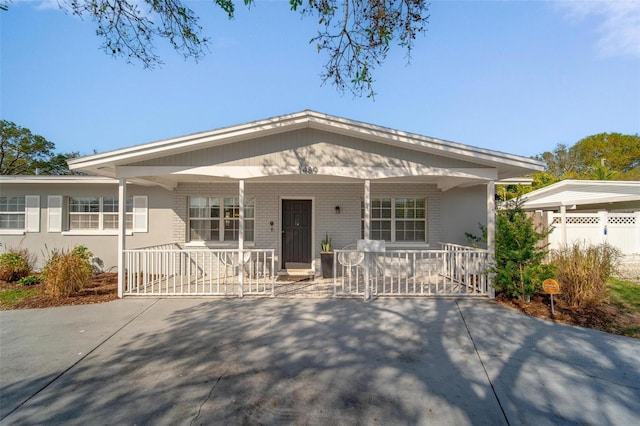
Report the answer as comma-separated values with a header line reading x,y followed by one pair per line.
x,y
168,270
452,271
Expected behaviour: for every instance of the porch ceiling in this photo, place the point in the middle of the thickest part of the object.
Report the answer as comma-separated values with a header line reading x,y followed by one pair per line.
x,y
170,177
443,183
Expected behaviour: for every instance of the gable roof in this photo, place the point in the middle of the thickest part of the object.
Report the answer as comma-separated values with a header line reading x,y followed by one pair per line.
x,y
105,164
582,192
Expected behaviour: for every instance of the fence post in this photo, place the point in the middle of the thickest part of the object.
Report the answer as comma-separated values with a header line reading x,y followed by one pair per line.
x,y
637,214
367,289
273,273
603,219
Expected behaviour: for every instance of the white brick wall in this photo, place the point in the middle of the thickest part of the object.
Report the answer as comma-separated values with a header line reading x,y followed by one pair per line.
x,y
344,228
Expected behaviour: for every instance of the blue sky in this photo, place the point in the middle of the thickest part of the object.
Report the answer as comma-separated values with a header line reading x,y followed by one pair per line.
x,y
512,76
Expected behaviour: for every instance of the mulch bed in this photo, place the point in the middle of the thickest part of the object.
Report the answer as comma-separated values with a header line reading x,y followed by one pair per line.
x,y
102,288
605,317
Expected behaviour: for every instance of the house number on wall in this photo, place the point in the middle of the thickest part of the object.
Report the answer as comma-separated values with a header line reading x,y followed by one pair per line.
x,y
308,170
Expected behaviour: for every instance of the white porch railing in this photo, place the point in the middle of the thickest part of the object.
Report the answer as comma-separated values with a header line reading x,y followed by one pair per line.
x,y
168,270
452,271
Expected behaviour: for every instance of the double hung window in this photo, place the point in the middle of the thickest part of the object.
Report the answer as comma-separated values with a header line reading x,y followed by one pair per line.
x,y
97,213
397,219
19,214
218,219
12,212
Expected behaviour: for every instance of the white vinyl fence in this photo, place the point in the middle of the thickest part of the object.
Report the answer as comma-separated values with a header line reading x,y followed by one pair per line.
x,y
621,230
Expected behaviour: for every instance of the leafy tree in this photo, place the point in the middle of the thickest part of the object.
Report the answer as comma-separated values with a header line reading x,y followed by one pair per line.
x,y
356,34
604,156
20,150
619,153
57,165
23,153
562,161
519,269
542,179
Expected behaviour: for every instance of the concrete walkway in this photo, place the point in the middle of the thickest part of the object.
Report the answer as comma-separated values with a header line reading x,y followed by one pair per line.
x,y
275,361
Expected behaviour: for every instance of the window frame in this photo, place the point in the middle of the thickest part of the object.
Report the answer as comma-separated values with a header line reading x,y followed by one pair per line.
x,y
394,220
101,214
228,213
8,212
30,210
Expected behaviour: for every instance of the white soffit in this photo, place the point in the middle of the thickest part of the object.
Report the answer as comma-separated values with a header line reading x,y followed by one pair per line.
x,y
579,192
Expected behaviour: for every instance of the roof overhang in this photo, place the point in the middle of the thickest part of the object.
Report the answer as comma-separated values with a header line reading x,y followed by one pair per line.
x,y
66,180
582,192
117,164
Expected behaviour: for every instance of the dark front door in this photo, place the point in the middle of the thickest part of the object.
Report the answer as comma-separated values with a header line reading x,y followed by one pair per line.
x,y
296,233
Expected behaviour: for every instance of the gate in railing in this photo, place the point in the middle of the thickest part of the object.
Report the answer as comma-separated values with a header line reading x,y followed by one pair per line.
x,y
452,271
169,270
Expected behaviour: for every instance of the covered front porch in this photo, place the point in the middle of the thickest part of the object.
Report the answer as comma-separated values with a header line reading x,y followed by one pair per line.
x,y
250,203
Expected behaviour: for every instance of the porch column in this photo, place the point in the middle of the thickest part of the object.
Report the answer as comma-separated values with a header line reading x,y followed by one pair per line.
x,y
491,231
241,237
367,209
563,224
367,236
122,227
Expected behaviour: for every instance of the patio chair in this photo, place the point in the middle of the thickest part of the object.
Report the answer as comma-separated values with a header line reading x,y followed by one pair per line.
x,y
350,258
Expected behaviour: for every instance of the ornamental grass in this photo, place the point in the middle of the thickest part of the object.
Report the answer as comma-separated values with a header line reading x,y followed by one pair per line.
x,y
67,272
583,271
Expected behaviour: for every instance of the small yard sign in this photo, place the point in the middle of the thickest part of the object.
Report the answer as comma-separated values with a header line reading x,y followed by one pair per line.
x,y
552,287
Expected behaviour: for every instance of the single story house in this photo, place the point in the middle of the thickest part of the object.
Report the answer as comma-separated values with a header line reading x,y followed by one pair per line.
x,y
590,211
243,203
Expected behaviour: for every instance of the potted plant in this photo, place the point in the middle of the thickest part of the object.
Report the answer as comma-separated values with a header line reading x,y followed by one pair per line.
x,y
326,257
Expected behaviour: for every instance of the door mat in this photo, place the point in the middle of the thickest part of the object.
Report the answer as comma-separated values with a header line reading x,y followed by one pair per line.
x,y
293,278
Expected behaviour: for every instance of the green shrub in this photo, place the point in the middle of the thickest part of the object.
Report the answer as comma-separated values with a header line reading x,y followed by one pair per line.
x,y
67,272
16,264
29,280
519,266
583,270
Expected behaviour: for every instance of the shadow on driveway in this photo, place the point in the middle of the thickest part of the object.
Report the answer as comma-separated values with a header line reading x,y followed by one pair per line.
x,y
272,361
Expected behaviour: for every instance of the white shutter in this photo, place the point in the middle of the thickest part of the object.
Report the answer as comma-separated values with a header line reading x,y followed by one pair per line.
x,y
54,213
32,213
140,214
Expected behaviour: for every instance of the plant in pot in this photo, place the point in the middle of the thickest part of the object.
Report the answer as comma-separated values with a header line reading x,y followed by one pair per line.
x,y
326,257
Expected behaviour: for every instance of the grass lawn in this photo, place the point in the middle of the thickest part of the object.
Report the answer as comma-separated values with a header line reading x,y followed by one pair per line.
x,y
9,298
626,296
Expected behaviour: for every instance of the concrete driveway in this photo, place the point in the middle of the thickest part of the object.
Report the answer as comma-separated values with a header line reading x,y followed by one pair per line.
x,y
275,361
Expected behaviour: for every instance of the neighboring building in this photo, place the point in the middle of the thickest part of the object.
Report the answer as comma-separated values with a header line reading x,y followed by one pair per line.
x,y
591,211
279,184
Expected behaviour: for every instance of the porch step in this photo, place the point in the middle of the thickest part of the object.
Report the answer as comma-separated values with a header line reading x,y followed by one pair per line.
x,y
296,272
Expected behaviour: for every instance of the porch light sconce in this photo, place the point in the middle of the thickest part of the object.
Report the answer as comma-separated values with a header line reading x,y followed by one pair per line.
x,y
337,209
